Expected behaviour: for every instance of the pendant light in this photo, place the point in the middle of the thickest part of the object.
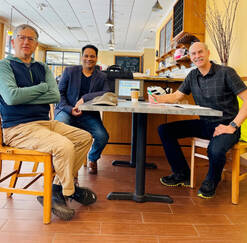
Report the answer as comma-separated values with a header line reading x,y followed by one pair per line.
x,y
157,6
109,22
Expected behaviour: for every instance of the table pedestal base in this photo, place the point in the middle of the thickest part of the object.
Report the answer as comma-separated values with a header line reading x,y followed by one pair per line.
x,y
132,165
139,198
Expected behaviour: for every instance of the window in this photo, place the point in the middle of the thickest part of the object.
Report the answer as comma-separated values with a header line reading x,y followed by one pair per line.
x,y
168,35
165,38
58,60
162,42
8,47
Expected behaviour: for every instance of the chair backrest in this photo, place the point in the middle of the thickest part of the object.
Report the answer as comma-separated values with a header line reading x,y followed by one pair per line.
x,y
1,134
51,114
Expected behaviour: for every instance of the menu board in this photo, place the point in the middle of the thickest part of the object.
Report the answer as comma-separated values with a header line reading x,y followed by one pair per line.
x,y
128,63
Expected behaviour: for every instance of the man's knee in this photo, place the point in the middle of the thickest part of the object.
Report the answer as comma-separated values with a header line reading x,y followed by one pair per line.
x,y
64,147
216,152
63,117
101,136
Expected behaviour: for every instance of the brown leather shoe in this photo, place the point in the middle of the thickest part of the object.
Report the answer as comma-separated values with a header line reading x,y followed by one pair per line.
x,y
92,167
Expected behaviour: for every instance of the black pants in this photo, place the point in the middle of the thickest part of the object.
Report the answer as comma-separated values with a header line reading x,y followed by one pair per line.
x,y
170,133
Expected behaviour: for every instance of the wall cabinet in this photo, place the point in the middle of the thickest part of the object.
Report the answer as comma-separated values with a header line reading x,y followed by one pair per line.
x,y
187,19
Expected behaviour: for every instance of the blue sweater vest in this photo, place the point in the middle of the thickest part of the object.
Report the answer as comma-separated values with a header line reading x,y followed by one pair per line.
x,y
13,115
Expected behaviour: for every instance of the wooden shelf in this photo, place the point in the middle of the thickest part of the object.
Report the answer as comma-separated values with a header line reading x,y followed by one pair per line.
x,y
168,68
163,57
183,61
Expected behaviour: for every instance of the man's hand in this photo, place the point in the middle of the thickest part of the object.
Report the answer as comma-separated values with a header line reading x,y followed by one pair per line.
x,y
76,112
223,129
152,99
79,102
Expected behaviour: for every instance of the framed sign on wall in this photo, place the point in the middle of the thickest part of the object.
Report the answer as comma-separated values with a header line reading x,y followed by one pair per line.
x,y
129,63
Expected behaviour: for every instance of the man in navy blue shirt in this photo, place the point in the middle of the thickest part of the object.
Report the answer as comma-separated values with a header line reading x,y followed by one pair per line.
x,y
213,86
78,85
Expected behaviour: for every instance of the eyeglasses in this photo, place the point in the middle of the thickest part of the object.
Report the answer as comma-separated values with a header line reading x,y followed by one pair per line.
x,y
29,38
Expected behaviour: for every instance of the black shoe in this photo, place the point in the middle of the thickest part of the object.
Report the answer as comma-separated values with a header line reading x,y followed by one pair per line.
x,y
84,195
207,189
175,180
59,206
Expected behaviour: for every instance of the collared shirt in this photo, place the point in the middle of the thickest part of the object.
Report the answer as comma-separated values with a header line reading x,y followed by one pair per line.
x,y
218,89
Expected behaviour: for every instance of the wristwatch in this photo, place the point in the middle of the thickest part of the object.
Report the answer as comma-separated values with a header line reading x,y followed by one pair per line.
x,y
233,124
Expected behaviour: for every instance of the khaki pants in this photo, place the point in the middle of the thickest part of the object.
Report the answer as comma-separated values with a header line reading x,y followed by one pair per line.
x,y
68,145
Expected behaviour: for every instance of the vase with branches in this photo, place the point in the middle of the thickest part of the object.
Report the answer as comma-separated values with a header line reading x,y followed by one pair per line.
x,y
219,24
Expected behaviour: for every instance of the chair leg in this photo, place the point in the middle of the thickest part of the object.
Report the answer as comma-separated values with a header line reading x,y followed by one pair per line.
x,y
47,190
1,163
235,175
13,180
35,166
192,165
85,163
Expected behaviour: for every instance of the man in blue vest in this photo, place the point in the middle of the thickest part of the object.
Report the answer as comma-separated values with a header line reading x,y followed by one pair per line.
x,y
27,88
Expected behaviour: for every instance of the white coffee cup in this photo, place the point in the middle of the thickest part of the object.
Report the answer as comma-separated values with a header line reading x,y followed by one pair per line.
x,y
134,94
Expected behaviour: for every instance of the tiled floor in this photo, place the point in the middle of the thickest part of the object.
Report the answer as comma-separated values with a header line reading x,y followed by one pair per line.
x,y
188,219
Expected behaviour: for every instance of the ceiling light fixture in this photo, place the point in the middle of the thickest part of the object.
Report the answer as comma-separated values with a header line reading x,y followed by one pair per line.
x,y
110,29
111,48
111,43
109,22
157,6
41,6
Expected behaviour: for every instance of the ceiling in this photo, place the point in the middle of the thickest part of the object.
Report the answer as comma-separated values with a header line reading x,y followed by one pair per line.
x,y
75,23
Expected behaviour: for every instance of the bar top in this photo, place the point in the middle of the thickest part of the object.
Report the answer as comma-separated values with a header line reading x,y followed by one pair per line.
x,y
145,107
157,78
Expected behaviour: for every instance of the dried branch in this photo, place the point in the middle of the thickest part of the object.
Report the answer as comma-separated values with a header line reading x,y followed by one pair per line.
x,y
219,25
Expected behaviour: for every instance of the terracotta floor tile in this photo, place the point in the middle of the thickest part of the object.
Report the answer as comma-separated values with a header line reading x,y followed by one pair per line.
x,y
238,219
2,223
194,240
209,209
129,206
23,204
14,237
3,202
55,226
185,219
21,214
62,238
229,232
189,219
109,217
149,229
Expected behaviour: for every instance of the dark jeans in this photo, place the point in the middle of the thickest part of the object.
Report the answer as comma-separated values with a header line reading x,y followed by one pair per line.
x,y
170,133
91,122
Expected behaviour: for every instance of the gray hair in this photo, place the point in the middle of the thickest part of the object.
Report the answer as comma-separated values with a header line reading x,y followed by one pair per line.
x,y
22,27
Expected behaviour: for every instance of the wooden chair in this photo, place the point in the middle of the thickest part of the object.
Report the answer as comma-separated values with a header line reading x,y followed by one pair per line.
x,y
237,150
18,156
